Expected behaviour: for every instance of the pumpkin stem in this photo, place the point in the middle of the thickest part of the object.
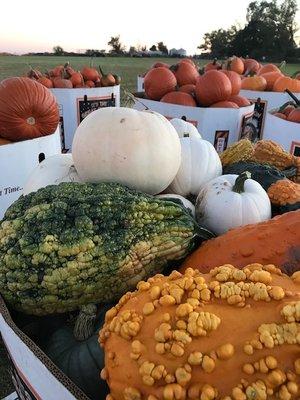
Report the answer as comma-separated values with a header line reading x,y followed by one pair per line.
x,y
174,67
295,74
293,97
288,103
282,65
101,71
201,71
240,181
84,325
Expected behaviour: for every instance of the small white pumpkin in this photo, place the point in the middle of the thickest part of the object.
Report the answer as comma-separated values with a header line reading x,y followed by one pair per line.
x,y
184,128
185,202
230,201
199,164
52,171
139,149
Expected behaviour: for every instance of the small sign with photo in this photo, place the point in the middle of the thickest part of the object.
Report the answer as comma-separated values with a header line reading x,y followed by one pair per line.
x,y
253,127
221,141
87,105
295,149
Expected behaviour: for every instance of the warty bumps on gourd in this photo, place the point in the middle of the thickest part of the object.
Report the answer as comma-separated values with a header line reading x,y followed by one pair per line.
x,y
76,243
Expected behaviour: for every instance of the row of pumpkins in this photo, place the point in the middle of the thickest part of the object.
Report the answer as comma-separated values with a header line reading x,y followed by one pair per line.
x,y
164,341
65,77
190,169
289,111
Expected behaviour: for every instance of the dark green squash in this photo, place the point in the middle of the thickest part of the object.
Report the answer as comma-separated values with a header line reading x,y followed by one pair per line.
x,y
81,361
264,174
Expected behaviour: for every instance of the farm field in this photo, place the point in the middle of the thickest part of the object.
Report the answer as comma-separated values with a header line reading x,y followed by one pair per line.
x,y
127,67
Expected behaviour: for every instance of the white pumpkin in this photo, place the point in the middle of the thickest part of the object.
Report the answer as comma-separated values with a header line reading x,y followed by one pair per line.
x,y
139,149
185,202
199,164
52,171
230,201
184,128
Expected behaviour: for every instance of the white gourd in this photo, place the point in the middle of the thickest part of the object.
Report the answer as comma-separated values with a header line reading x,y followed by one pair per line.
x,y
184,128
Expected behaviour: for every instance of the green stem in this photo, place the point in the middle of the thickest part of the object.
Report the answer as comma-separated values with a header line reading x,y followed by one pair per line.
x,y
295,74
240,181
84,325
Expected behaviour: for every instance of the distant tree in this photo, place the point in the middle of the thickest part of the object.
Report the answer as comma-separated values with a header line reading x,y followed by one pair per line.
x,y
162,47
58,51
153,48
219,42
132,50
116,45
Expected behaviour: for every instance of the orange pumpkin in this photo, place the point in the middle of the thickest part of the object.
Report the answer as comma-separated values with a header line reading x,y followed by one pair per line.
x,y
160,64
212,65
285,82
250,65
224,104
180,98
158,82
46,82
76,79
27,109
212,87
90,74
287,110
271,78
268,68
90,84
255,82
56,72
236,64
280,115
4,141
185,73
241,101
190,89
189,60
60,83
235,79
294,116
276,241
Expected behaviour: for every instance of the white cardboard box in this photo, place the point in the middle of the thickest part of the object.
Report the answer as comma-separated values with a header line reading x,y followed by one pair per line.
x,y
17,161
76,104
285,133
220,126
34,375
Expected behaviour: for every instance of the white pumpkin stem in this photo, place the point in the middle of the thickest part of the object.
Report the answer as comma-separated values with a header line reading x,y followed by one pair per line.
x,y
240,182
84,325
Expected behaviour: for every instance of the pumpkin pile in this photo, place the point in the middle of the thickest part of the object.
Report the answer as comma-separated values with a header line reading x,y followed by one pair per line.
x,y
27,110
65,77
289,111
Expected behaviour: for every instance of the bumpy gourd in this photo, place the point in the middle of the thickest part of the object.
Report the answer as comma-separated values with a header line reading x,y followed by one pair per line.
x,y
73,244
276,241
239,151
284,196
229,335
269,152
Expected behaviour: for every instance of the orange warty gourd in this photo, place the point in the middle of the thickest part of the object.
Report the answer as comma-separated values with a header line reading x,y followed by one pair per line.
x,y
212,87
241,101
294,115
235,79
228,335
255,82
158,82
27,109
250,65
268,68
285,82
236,64
284,192
224,104
190,89
185,73
180,98
271,78
261,243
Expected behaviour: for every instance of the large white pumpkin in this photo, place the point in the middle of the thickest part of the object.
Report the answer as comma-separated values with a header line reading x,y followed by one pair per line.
x,y
139,149
230,201
199,164
184,128
52,171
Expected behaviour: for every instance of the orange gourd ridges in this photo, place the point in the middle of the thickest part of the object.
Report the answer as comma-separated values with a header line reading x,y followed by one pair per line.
x,y
261,243
176,337
180,98
255,82
27,109
285,82
158,82
268,68
212,87
235,80
271,78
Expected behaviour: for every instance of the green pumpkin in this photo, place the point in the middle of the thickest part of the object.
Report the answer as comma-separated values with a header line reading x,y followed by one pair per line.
x,y
81,361
264,174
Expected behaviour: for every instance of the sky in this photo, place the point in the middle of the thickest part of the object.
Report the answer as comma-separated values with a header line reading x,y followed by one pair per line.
x,y
33,26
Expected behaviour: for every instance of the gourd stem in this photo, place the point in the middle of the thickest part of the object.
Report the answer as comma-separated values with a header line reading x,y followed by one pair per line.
x,y
240,181
84,325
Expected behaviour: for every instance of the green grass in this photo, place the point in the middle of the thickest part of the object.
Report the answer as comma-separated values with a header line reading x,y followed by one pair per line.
x,y
127,67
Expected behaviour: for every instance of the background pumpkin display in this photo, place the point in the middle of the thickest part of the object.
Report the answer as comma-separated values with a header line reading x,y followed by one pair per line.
x,y
176,337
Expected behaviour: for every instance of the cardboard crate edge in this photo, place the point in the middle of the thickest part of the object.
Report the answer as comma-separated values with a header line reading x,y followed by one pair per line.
x,y
43,358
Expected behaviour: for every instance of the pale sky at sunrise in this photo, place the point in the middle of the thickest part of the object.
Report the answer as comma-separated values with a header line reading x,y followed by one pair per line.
x,y
30,25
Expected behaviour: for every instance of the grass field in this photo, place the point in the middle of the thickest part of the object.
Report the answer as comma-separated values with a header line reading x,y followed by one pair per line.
x,y
128,68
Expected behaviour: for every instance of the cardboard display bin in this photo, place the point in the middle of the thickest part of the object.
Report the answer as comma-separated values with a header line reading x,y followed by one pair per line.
x,y
18,160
